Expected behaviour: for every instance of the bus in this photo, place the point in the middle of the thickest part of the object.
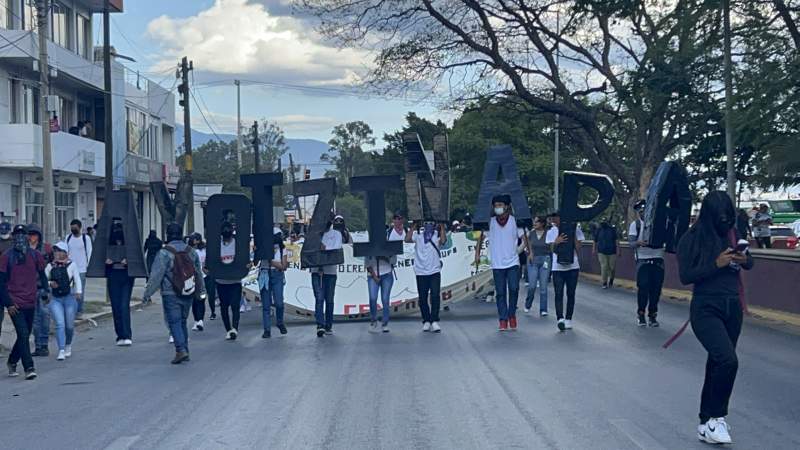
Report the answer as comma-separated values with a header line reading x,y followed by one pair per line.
x,y
784,211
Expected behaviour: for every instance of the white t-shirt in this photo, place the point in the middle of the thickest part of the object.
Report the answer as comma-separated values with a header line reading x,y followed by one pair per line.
x,y
642,253
332,240
427,259
77,253
227,253
382,265
552,234
761,225
503,243
201,254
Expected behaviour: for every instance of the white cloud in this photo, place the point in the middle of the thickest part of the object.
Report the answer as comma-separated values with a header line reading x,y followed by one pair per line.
x,y
294,124
242,38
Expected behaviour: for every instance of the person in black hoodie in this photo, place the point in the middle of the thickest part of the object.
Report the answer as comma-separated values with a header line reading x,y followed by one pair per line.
x,y
152,245
119,284
708,259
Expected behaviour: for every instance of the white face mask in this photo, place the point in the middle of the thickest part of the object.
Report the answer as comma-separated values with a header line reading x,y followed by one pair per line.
x,y
499,211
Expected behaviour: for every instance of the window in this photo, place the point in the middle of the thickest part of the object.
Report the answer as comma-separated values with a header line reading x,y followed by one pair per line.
x,y
152,150
24,103
29,21
64,113
136,128
59,24
34,206
6,14
83,27
65,211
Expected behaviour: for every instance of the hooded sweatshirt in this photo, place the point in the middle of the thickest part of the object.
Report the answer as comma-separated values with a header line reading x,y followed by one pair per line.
x,y
161,273
19,280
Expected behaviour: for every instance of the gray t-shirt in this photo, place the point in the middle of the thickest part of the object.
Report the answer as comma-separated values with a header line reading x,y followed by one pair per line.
x,y
540,248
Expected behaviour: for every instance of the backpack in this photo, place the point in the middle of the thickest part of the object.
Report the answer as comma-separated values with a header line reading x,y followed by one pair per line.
x,y
184,275
60,275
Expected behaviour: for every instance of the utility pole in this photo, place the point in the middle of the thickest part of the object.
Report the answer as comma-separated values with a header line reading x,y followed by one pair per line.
x,y
49,216
107,126
729,150
238,122
256,143
183,89
556,145
291,189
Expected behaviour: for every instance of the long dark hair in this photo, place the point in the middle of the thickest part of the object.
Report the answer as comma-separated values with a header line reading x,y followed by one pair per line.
x,y
708,237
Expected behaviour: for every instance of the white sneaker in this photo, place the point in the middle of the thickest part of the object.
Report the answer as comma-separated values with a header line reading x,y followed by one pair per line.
x,y
542,313
426,326
568,324
229,335
234,333
200,325
715,431
436,328
171,339
121,343
247,307
68,351
128,342
194,328
241,309
61,356
373,327
385,328
527,310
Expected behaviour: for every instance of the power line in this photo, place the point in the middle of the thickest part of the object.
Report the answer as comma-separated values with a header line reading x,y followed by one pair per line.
x,y
204,116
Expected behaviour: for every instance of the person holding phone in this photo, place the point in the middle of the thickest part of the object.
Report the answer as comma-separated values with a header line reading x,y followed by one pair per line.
x,y
564,275
711,258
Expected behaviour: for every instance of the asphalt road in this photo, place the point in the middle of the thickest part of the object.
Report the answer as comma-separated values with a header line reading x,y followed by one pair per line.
x,y
605,385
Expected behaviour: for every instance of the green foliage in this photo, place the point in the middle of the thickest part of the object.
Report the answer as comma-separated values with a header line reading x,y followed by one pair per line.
x,y
352,208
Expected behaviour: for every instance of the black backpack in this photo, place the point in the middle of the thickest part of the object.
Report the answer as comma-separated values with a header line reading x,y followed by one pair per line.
x,y
60,275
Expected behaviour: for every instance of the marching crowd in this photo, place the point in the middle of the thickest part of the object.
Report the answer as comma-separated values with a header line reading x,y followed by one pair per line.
x,y
39,282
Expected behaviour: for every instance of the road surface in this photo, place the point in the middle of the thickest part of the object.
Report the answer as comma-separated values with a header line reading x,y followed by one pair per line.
x,y
605,385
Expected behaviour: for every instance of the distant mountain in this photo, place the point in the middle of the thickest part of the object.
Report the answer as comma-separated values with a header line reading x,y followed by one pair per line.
x,y
304,151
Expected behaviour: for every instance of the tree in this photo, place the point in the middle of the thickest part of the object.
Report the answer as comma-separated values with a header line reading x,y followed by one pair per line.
x,y
347,153
634,73
272,145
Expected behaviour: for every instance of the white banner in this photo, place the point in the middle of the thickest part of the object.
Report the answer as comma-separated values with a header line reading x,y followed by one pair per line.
x,y
459,280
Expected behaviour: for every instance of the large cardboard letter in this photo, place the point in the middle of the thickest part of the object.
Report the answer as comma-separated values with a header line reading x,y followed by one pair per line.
x,y
234,208
500,176
312,254
376,187
573,212
263,218
172,210
118,206
427,179
669,206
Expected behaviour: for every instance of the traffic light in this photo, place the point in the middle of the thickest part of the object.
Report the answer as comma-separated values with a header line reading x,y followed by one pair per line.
x,y
307,174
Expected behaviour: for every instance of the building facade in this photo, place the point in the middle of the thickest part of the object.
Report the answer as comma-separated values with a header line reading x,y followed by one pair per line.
x,y
142,119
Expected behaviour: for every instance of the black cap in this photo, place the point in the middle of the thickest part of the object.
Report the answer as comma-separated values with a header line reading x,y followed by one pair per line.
x,y
503,198
197,236
174,230
20,229
398,214
556,213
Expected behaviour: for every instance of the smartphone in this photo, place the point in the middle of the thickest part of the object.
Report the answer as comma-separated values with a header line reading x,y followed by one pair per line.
x,y
742,246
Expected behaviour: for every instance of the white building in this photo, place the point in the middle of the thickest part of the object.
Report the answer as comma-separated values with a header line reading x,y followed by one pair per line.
x,y
143,119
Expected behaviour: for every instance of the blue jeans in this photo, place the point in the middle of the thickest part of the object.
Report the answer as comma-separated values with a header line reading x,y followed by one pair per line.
x,y
63,310
273,296
538,273
385,286
506,291
324,290
176,311
41,324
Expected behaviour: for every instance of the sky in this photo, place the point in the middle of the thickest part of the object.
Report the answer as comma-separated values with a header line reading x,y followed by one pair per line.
x,y
289,73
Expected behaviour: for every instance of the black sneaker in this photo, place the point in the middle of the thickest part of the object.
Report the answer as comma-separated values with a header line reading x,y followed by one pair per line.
x,y
329,330
653,322
266,335
282,329
41,351
610,283
12,370
30,374
320,332
642,322
605,286
213,317
180,357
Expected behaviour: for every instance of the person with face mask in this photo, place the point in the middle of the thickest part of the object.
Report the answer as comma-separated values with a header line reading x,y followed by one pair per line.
x,y
380,277
21,271
64,278
119,285
271,279
504,257
229,291
41,318
565,276
708,259
323,279
80,252
199,305
5,244
649,270
428,239
152,245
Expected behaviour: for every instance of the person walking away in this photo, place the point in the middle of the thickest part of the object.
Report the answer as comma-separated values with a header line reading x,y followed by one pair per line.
x,y
323,279
538,266
380,277
606,249
66,286
178,273
152,245
79,250
761,223
119,285
41,317
427,239
21,270
229,291
271,279
710,259
565,276
649,271
5,244
743,225
504,258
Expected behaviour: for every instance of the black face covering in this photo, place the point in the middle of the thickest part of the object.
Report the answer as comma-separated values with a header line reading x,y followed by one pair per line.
x,y
226,233
21,243
723,224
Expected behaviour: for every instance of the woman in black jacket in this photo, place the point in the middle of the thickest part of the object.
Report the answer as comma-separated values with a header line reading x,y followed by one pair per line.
x,y
152,245
707,259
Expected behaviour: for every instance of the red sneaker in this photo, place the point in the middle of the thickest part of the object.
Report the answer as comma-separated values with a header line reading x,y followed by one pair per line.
x,y
503,325
512,321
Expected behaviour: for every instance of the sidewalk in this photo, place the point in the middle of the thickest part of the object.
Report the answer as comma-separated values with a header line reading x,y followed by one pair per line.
x,y
95,308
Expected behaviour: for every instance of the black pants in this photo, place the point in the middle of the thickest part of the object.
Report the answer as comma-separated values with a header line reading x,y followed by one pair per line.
x,y
429,288
560,279
649,280
717,322
230,296
764,242
198,309
23,324
120,288
211,293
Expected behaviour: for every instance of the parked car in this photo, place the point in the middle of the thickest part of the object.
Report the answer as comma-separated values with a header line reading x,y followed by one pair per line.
x,y
783,237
